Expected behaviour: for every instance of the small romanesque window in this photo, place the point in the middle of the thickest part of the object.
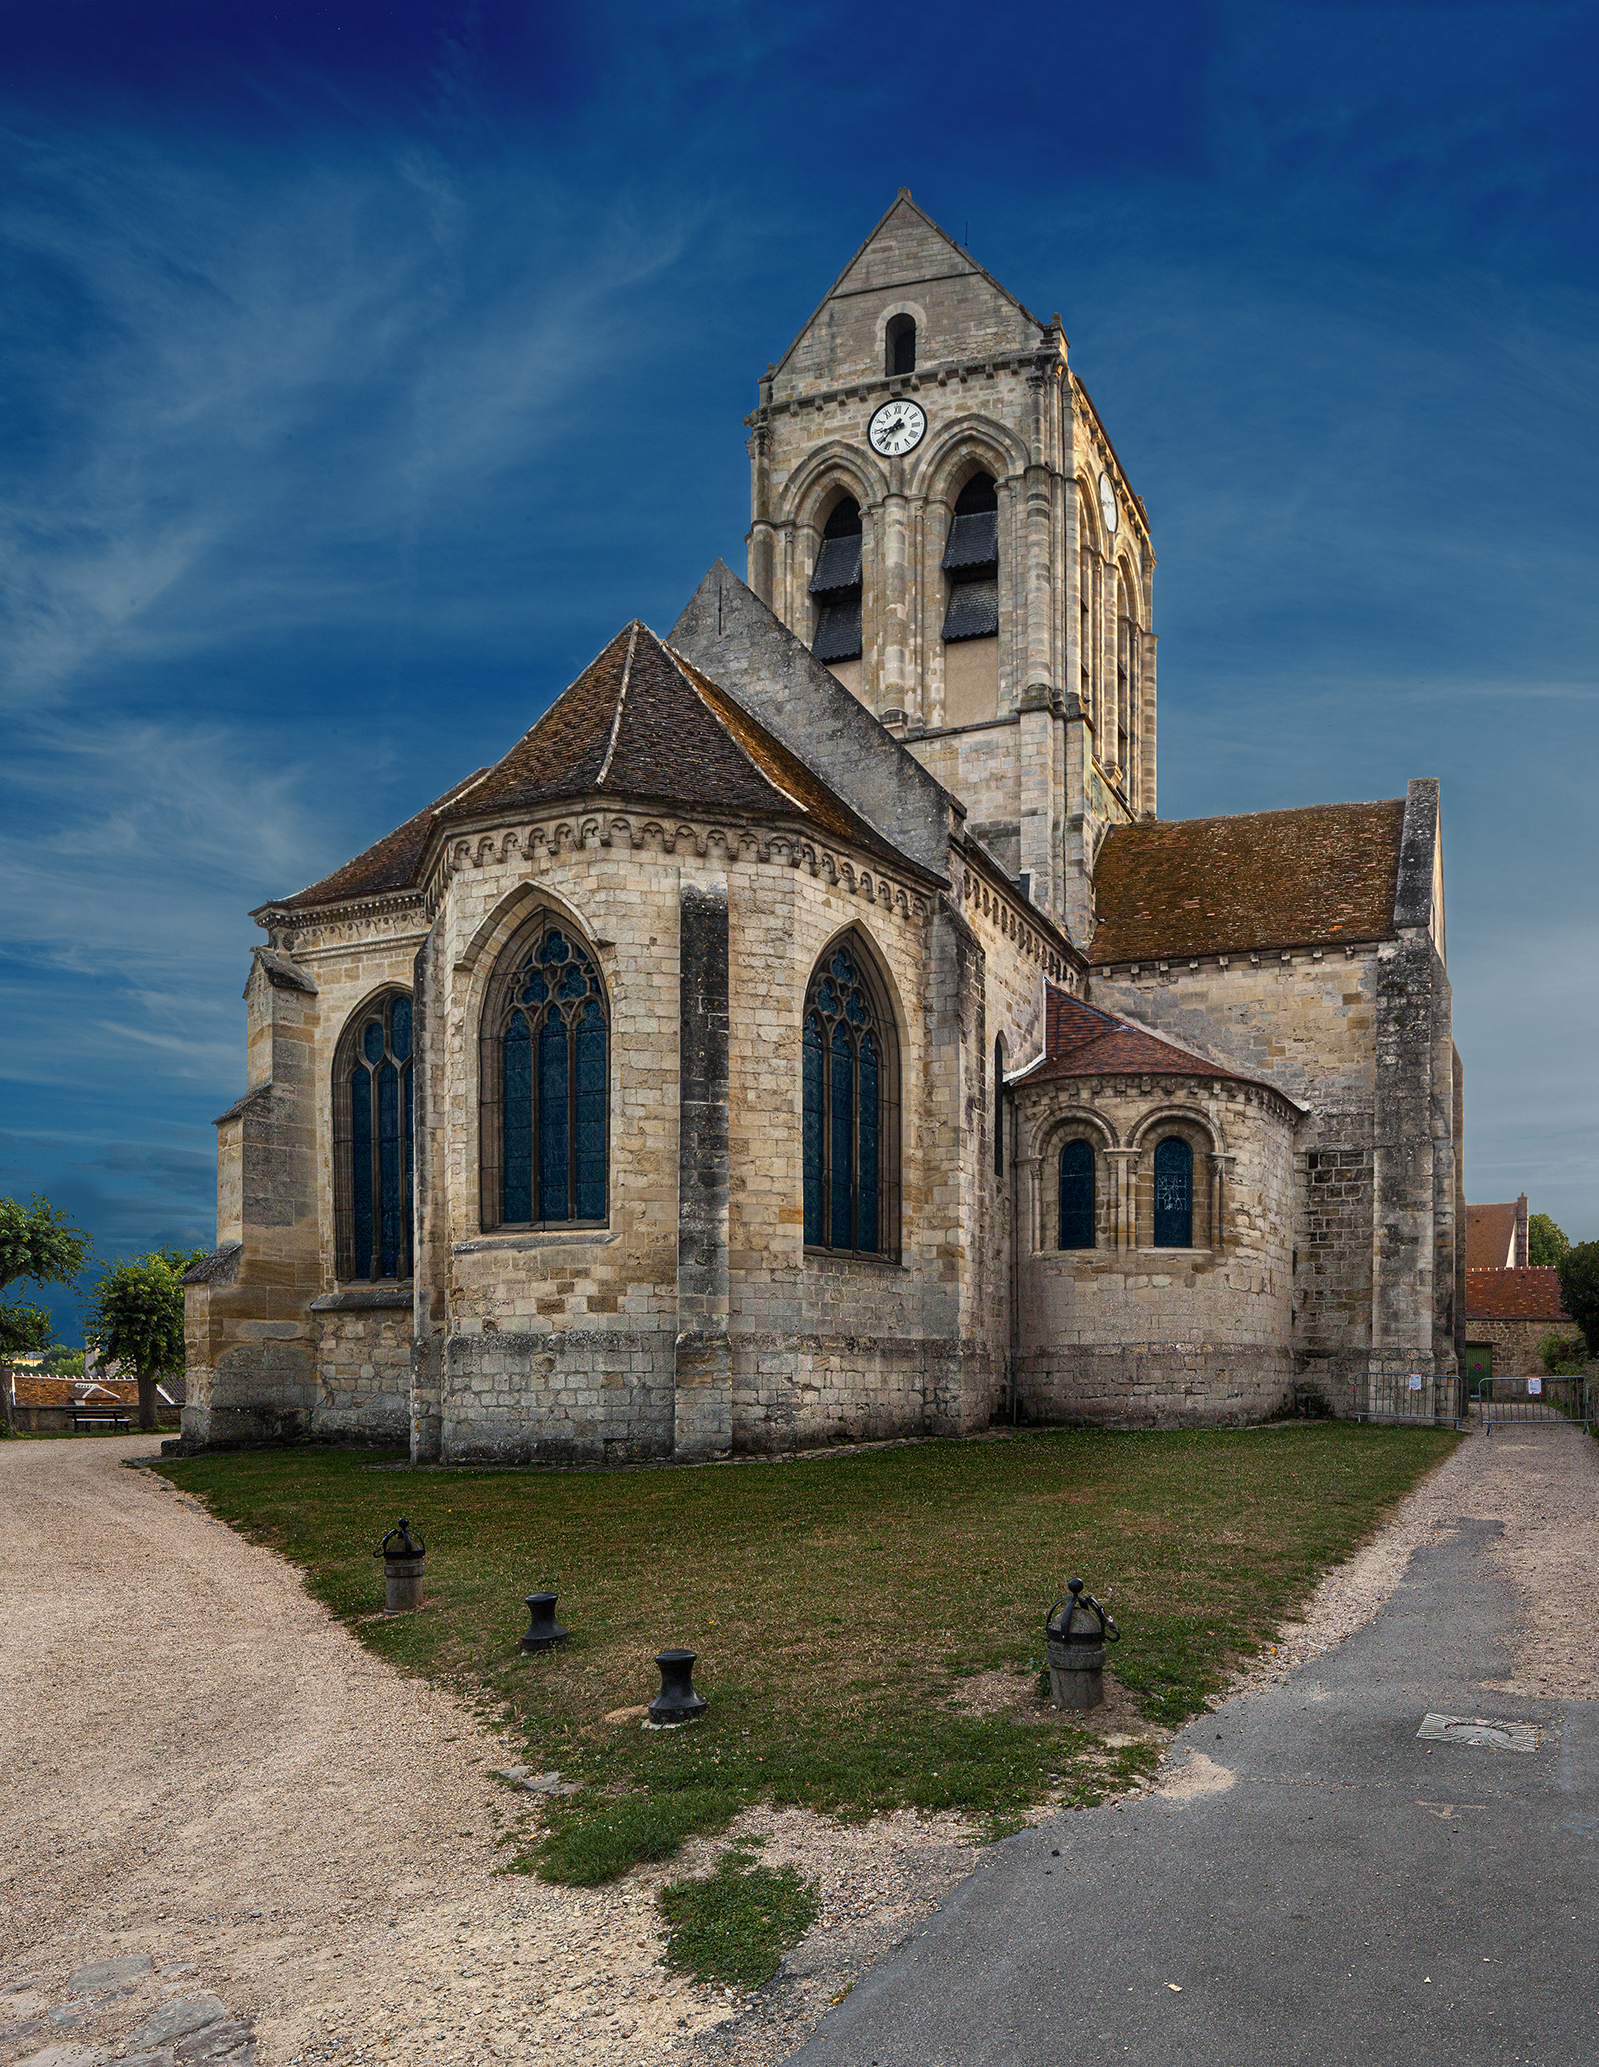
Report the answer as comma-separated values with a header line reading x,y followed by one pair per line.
x,y
836,585
971,563
1077,1195
372,1142
851,1109
1174,1194
545,1076
899,354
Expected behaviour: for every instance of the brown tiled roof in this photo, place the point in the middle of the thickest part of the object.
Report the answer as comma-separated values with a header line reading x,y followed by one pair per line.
x,y
1205,886
1082,1041
390,865
1490,1233
642,723
1530,1292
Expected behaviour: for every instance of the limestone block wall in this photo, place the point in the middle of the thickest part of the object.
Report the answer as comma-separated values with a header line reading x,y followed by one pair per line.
x,y
1134,1335
362,1360
1517,1345
1304,1020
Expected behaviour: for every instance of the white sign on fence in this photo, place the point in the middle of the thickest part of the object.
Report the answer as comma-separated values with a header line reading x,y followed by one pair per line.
x,y
1415,1381
1534,1388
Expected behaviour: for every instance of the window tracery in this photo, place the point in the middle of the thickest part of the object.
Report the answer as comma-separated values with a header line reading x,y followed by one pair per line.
x,y
1077,1195
373,1142
850,1066
1174,1194
546,1066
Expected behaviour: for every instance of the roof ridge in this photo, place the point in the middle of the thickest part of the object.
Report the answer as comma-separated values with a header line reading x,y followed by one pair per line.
x,y
621,700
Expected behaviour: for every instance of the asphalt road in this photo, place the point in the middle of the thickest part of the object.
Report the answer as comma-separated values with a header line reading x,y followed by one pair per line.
x,y
1353,1895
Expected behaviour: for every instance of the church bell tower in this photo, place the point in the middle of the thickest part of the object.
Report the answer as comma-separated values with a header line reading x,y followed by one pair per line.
x,y
936,510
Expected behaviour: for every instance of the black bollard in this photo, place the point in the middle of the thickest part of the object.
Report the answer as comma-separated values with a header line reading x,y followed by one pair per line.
x,y
677,1701
543,1631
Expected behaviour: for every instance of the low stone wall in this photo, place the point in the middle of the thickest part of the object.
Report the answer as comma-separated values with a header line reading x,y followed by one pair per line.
x,y
1153,1385
52,1420
1517,1345
795,1392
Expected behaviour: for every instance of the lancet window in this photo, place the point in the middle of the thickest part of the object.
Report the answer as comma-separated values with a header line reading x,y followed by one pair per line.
x,y
850,1063
1077,1195
373,1153
836,585
971,563
1174,1194
545,1061
899,354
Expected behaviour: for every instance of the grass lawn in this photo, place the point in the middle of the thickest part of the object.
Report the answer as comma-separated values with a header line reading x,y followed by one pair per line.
x,y
836,1604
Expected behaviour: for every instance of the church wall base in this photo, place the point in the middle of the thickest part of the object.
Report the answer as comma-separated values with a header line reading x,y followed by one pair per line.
x,y
1152,1385
795,1392
578,1397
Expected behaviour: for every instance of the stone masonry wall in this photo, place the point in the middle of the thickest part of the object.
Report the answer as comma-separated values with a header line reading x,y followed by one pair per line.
x,y
1135,1335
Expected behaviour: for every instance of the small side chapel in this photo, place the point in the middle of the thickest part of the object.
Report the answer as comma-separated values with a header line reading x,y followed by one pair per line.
x,y
809,1030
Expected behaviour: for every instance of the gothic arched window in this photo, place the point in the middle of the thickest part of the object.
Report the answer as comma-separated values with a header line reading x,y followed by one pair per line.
x,y
899,354
851,1108
1077,1195
1174,1194
545,1066
971,563
372,1141
836,585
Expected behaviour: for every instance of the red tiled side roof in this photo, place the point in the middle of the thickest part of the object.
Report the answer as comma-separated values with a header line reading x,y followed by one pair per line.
x,y
1082,1041
1204,886
1490,1231
1528,1292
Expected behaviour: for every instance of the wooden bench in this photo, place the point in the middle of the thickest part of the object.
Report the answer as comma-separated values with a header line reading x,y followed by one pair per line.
x,y
98,1417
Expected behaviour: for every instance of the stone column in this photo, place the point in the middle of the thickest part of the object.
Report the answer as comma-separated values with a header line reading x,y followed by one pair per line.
x,y
889,701
1124,1164
703,1396
430,1205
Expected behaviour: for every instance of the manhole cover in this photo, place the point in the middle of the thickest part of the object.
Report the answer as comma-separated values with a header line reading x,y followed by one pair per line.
x,y
1478,1729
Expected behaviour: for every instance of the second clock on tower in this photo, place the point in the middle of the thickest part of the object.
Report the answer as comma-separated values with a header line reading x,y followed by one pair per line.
x,y
897,428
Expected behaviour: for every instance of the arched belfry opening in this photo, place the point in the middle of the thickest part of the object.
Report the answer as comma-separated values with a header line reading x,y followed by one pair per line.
x,y
836,586
899,345
971,611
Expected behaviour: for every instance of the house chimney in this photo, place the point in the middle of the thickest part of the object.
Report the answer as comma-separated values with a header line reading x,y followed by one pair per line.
x,y
1520,1258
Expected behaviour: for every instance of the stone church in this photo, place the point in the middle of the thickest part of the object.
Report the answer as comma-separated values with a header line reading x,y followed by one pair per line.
x,y
810,1031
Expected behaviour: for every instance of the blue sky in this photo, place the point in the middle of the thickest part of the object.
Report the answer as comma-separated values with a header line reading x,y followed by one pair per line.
x,y
366,366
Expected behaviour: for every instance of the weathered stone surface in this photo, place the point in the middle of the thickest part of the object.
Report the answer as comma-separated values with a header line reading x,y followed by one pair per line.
x,y
177,2019
224,2040
101,1974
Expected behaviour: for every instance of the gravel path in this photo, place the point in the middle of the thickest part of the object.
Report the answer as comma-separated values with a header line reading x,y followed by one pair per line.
x,y
289,1851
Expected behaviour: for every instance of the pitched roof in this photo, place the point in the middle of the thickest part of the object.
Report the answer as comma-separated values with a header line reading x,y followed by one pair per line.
x,y
1490,1236
641,723
1082,1041
1265,879
389,865
1530,1292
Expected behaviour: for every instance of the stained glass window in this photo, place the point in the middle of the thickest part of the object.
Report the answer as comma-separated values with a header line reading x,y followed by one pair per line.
x,y
550,1048
850,1123
373,1124
1174,1194
1077,1195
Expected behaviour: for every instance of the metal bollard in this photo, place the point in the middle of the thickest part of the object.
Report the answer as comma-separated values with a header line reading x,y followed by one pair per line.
x,y
543,1632
402,1555
677,1701
1077,1642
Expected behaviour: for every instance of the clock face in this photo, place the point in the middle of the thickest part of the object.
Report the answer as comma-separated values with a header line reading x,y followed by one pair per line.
x,y
1107,503
896,428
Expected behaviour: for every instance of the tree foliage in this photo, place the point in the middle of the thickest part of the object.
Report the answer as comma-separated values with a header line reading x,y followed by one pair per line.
x,y
1579,1290
137,1318
1545,1242
38,1245
23,1327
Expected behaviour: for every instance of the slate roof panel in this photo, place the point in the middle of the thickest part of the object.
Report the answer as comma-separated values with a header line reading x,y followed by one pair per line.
x,y
1264,879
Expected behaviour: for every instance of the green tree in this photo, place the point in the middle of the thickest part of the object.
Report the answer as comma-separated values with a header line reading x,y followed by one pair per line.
x,y
137,1318
38,1246
64,1363
1579,1290
1545,1242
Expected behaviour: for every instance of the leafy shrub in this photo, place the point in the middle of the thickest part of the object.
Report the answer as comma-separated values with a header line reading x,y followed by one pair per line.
x,y
1564,1356
1579,1290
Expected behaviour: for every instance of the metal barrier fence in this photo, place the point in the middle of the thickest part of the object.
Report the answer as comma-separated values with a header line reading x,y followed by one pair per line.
x,y
1415,1397
1504,1402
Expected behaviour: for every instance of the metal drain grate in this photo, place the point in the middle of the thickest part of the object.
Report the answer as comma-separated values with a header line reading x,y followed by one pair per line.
x,y
1478,1729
